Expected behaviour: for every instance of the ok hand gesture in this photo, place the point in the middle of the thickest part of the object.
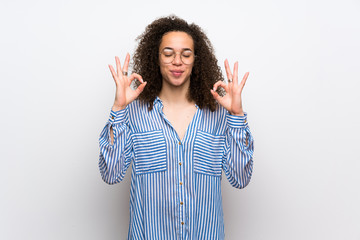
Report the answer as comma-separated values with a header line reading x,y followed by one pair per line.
x,y
124,94
232,100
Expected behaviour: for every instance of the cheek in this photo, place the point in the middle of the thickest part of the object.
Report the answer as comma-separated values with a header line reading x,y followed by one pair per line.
x,y
162,70
162,67
190,68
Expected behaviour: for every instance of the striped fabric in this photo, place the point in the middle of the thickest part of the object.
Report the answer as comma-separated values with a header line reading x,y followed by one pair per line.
x,y
176,184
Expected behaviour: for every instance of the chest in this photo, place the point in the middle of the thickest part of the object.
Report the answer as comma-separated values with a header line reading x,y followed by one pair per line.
x,y
157,149
180,119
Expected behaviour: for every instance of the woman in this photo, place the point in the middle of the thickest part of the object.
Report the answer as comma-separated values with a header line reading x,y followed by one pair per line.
x,y
178,132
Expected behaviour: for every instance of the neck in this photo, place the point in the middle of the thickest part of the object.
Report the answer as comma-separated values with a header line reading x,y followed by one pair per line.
x,y
175,95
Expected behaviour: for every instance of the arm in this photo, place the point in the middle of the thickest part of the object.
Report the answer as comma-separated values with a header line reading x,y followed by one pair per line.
x,y
115,152
239,148
115,139
237,161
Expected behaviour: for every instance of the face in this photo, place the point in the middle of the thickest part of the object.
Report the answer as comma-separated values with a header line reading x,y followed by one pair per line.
x,y
176,58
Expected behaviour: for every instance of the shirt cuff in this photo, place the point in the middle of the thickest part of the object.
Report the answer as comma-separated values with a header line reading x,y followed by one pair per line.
x,y
118,116
236,121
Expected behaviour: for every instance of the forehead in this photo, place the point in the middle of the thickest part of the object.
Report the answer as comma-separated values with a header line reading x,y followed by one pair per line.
x,y
177,41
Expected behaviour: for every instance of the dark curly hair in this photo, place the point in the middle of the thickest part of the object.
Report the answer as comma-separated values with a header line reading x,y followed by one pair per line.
x,y
205,70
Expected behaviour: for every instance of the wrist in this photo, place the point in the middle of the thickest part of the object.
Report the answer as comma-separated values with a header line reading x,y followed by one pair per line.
x,y
240,113
117,108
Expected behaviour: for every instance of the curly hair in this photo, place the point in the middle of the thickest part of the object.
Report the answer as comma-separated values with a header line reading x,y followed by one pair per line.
x,y
205,72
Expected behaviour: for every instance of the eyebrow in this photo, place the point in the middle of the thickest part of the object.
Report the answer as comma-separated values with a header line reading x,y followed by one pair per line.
x,y
184,49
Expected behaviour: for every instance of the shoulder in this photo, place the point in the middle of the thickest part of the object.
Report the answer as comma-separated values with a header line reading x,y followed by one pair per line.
x,y
219,113
138,106
138,110
141,119
213,122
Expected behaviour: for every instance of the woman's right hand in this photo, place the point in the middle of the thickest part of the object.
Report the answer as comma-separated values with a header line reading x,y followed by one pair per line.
x,y
124,94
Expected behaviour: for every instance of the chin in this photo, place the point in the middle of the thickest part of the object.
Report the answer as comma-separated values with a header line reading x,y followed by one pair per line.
x,y
177,82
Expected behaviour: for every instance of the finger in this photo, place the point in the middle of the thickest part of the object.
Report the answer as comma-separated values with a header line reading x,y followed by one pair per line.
x,y
222,84
140,88
118,66
243,81
235,76
227,68
126,63
137,76
113,73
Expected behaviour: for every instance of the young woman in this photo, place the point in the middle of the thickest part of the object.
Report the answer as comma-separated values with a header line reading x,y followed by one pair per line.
x,y
178,132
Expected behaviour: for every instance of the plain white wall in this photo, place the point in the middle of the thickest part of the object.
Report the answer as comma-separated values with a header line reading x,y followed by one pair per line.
x,y
302,98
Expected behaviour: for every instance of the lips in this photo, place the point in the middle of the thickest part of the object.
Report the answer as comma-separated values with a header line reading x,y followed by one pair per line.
x,y
176,73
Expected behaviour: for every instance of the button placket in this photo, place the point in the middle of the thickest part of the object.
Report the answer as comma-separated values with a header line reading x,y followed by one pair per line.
x,y
181,184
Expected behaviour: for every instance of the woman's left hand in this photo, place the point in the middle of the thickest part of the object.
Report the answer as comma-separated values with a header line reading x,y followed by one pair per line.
x,y
232,100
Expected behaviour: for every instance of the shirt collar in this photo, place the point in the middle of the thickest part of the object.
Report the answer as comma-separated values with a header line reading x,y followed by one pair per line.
x,y
158,104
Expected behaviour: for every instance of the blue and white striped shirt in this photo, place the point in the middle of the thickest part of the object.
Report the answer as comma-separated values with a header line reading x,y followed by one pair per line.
x,y
176,184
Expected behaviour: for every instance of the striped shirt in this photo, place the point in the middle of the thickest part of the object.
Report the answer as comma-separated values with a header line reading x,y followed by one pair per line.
x,y
176,184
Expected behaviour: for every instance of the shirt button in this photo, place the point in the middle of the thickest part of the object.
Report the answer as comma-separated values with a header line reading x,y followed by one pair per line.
x,y
180,163
112,117
179,143
245,120
180,183
181,203
182,223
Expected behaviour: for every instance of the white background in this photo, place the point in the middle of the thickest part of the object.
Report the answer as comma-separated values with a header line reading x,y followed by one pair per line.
x,y
302,98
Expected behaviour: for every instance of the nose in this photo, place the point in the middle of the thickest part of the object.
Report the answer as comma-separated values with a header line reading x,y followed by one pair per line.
x,y
177,59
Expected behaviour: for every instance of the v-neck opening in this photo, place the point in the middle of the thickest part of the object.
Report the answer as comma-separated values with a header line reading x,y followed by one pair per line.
x,y
189,126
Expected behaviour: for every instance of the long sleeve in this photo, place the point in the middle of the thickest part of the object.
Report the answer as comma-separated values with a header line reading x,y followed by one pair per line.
x,y
239,148
115,158
175,190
